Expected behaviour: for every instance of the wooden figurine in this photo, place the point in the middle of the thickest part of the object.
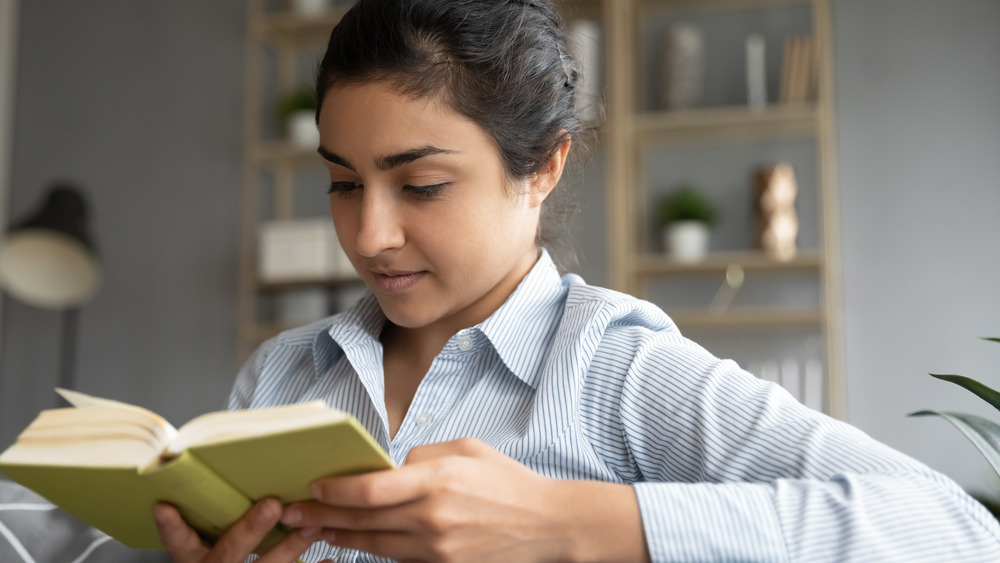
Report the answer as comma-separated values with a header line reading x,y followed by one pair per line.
x,y
777,221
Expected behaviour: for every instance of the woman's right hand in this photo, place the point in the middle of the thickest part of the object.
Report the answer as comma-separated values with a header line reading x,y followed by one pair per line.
x,y
186,546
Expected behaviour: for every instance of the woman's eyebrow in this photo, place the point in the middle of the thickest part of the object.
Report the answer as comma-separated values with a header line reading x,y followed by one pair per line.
x,y
392,161
330,156
388,162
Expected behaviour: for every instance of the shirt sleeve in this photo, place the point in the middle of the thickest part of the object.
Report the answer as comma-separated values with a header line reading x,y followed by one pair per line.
x,y
734,468
242,394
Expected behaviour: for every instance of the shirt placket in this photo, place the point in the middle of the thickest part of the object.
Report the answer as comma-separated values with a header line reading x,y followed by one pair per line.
x,y
435,392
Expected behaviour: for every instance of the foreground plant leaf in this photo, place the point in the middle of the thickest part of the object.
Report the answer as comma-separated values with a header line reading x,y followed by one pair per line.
x,y
984,392
984,434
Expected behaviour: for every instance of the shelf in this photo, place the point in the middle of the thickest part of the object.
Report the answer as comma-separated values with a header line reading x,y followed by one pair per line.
x,y
296,30
728,123
654,6
719,262
746,318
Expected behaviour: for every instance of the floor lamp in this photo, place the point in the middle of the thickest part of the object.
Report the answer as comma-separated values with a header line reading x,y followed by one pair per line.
x,y
48,261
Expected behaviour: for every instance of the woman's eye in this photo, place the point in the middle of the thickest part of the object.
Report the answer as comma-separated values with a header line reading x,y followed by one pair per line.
x,y
343,188
427,191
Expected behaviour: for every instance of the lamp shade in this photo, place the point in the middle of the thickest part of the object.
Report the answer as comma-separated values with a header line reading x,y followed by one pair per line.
x,y
48,260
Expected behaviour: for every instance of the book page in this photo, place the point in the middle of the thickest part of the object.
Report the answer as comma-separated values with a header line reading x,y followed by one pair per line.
x,y
95,433
233,425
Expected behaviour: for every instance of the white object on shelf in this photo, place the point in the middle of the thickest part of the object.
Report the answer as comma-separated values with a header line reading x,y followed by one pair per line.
x,y
302,130
301,249
769,371
686,241
585,40
756,72
813,383
791,379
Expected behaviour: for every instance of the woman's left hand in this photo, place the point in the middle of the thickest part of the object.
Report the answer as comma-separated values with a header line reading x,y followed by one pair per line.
x,y
464,501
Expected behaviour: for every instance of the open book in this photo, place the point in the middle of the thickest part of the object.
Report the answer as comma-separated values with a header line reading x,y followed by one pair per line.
x,y
108,463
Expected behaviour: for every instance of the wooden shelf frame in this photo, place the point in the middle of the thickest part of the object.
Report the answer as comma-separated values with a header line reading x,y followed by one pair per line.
x,y
728,124
650,7
747,318
658,265
629,130
286,35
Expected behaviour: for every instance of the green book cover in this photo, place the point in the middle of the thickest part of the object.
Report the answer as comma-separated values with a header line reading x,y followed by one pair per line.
x,y
212,471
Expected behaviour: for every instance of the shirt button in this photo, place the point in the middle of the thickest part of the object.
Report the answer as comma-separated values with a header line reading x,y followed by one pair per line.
x,y
423,419
465,343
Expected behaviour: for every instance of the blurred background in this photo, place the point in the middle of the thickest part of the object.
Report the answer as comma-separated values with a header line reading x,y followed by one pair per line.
x,y
144,105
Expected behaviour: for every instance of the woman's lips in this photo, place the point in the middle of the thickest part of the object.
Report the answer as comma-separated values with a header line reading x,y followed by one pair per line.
x,y
394,282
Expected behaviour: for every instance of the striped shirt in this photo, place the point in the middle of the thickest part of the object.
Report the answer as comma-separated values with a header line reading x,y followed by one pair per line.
x,y
580,382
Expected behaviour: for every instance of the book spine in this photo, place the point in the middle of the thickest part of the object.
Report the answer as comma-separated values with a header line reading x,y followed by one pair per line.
x,y
205,500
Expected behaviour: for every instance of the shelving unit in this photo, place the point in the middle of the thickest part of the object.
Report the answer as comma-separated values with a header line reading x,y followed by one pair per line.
x,y
631,129
276,41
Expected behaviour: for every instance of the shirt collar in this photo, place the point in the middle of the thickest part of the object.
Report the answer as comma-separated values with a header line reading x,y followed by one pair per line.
x,y
360,323
520,330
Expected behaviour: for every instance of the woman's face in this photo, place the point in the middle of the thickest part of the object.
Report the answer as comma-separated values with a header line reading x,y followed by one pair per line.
x,y
422,207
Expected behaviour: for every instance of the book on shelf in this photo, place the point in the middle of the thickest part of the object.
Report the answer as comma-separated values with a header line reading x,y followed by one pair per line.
x,y
799,70
109,463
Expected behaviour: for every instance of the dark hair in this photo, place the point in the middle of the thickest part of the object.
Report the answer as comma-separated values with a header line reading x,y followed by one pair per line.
x,y
503,64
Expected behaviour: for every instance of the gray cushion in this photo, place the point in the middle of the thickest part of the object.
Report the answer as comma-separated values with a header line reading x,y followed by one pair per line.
x,y
34,531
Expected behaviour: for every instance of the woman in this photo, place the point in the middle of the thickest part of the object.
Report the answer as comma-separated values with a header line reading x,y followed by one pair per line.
x,y
534,417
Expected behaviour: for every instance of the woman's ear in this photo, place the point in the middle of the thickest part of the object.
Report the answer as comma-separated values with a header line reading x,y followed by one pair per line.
x,y
545,180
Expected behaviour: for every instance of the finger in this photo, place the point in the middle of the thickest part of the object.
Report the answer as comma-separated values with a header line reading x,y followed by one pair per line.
x,y
376,489
467,447
394,545
292,546
240,540
181,540
321,515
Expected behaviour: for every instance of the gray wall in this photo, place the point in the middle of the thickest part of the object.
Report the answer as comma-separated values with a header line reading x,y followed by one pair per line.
x,y
142,105
918,96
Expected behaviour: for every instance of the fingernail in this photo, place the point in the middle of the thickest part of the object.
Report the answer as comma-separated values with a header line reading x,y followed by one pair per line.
x,y
161,514
268,510
316,491
292,517
330,537
310,533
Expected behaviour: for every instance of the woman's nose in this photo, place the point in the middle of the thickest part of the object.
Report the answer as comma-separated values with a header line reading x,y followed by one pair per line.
x,y
379,226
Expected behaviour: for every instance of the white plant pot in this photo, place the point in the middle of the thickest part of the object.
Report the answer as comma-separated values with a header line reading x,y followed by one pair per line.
x,y
302,130
686,241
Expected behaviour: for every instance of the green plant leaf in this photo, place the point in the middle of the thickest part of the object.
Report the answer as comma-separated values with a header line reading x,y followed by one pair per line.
x,y
984,392
991,338
984,434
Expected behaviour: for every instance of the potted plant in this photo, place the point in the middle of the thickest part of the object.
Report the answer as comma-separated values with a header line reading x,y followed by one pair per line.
x,y
983,433
297,112
686,217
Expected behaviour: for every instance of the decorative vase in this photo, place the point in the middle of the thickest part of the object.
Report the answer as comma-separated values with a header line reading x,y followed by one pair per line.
x,y
687,241
683,63
302,130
